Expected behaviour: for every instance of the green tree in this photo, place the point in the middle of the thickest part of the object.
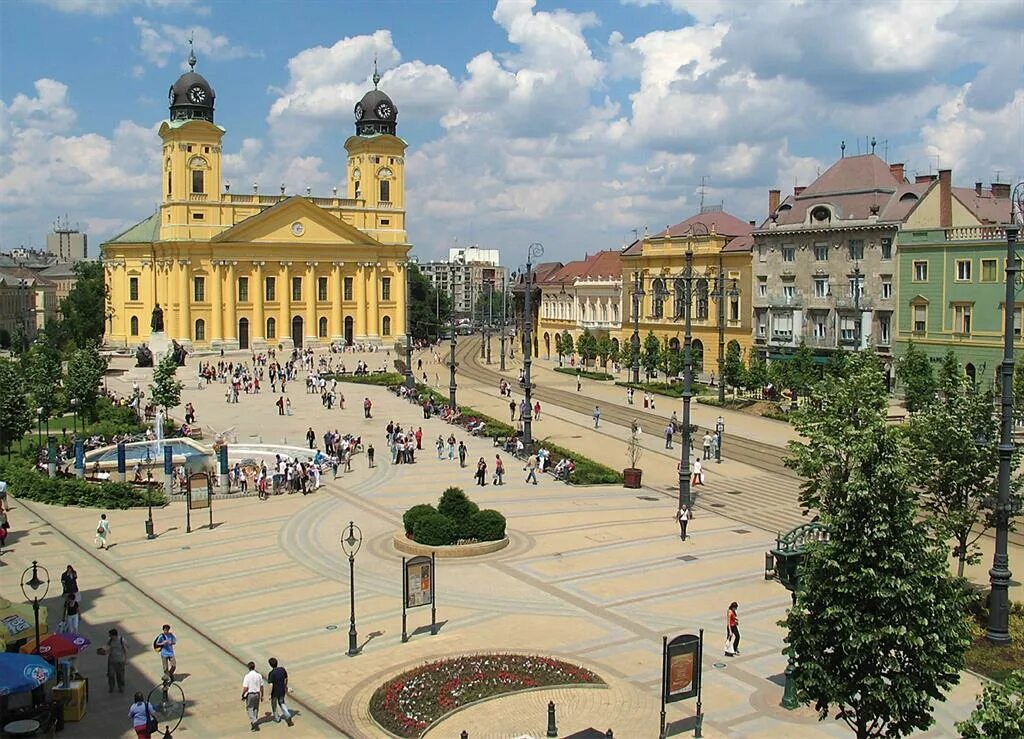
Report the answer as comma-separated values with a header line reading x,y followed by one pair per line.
x,y
733,371
487,307
878,629
165,389
568,346
86,309
838,363
949,377
84,375
953,461
429,309
915,371
756,376
604,349
614,353
1000,711
43,375
803,373
586,345
650,356
15,417
559,348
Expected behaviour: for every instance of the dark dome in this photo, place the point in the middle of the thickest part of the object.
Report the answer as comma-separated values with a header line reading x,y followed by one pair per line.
x,y
191,97
376,113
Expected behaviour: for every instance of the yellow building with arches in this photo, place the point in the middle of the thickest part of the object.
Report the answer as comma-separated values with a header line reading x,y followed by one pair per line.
x,y
244,270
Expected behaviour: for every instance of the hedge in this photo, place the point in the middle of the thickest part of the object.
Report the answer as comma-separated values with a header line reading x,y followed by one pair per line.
x,y
387,379
414,514
585,373
456,519
487,525
25,482
670,390
435,530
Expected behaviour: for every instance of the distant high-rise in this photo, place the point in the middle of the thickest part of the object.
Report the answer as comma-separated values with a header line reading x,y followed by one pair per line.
x,y
66,243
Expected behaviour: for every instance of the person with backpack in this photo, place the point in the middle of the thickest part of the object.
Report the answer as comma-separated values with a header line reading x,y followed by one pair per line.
x,y
683,516
164,644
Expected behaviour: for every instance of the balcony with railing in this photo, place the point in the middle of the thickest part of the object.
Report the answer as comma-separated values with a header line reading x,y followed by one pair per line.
x,y
197,196
849,300
976,233
781,300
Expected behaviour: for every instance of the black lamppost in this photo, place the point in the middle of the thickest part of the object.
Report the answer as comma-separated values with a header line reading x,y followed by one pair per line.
x,y
74,411
350,545
35,584
149,494
856,290
171,709
998,631
685,497
451,327
634,342
490,318
535,249
410,381
720,433
504,317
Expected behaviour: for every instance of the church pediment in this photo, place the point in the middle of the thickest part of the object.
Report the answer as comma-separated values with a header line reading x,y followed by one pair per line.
x,y
296,221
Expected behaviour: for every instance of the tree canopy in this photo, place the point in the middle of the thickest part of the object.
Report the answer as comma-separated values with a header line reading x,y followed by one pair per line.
x,y
85,310
429,310
915,371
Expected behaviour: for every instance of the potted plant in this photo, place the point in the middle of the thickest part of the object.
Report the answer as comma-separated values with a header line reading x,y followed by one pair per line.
x,y
632,474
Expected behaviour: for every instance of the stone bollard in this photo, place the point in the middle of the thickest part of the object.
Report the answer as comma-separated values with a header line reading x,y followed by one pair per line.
x,y
552,728
608,734
464,735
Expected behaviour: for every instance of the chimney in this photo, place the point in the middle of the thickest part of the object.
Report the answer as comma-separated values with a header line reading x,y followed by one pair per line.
x,y
753,224
923,178
773,200
977,188
945,198
1000,189
798,189
896,170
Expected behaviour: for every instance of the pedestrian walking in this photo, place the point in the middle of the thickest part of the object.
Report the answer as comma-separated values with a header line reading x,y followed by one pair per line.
x,y
5,526
164,644
716,441
499,471
419,438
287,406
683,516
69,582
280,406
3,496
102,531
706,445
536,411
451,447
698,473
367,407
278,679
142,714
440,447
462,453
597,416
579,383
72,612
668,436
732,631
512,410
481,472
531,469
117,657
369,455
311,437
252,694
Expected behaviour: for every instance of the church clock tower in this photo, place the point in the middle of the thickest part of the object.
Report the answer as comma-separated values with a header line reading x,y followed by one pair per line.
x,y
191,179
376,165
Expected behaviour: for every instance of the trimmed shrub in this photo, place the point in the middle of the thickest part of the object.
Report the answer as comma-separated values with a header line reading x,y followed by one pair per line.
x,y
456,505
487,525
25,482
588,374
414,514
435,530
387,379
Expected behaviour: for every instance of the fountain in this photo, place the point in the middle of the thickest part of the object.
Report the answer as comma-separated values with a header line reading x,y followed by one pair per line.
x,y
158,433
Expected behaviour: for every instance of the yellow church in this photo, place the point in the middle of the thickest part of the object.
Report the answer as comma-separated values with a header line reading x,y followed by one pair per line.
x,y
245,270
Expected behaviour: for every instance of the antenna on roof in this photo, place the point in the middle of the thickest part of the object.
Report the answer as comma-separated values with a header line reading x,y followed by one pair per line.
x,y
842,149
998,172
703,181
885,149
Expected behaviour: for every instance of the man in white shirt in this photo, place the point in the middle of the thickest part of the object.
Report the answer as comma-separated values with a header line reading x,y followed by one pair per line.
x,y
252,694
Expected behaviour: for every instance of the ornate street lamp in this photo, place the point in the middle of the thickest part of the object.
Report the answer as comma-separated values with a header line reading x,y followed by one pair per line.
x,y
170,708
350,544
536,249
451,326
720,432
634,342
149,494
410,380
39,581
998,631
504,314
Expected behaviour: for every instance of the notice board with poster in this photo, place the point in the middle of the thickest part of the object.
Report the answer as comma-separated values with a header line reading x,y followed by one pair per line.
x,y
681,671
418,586
200,490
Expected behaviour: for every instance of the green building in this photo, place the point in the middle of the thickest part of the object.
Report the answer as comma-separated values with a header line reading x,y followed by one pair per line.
x,y
951,275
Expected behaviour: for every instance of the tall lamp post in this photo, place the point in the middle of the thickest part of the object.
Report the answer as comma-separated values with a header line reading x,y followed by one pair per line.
x,y
149,495
410,381
171,709
35,583
998,631
350,544
451,327
504,317
856,290
634,341
684,458
535,249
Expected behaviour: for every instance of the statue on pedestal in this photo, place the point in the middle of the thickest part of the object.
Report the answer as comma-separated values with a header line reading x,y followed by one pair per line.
x,y
143,356
157,321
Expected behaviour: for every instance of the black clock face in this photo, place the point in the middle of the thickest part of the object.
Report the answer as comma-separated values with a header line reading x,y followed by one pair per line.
x,y
170,96
359,111
197,94
384,111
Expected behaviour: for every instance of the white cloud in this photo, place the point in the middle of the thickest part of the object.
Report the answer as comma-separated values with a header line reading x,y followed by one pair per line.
x,y
161,42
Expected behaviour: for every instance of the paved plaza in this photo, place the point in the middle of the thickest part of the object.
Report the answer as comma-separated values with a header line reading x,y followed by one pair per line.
x,y
592,575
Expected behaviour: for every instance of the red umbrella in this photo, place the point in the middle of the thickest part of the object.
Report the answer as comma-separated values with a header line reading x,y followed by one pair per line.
x,y
54,646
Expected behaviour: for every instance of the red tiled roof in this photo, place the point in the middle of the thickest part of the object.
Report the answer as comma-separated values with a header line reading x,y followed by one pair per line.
x,y
988,208
864,172
739,244
722,223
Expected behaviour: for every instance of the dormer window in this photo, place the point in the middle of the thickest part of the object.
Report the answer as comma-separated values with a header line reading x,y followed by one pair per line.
x,y
821,214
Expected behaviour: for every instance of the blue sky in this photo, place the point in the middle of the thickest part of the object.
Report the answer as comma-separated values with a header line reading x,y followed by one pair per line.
x,y
569,122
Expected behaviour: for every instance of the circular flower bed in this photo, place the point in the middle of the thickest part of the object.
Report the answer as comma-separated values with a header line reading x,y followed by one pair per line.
x,y
408,704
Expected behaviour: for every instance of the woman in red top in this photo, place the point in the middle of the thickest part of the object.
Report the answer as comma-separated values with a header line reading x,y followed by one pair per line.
x,y
732,629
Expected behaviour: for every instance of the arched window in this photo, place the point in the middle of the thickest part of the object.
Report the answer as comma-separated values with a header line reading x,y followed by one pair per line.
x,y
702,300
697,355
322,327
385,326
134,323
658,298
200,334
271,328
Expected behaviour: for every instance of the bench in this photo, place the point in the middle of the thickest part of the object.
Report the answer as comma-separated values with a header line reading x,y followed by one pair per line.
x,y
195,434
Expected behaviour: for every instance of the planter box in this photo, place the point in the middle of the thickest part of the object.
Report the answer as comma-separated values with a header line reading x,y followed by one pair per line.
x,y
631,477
408,546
